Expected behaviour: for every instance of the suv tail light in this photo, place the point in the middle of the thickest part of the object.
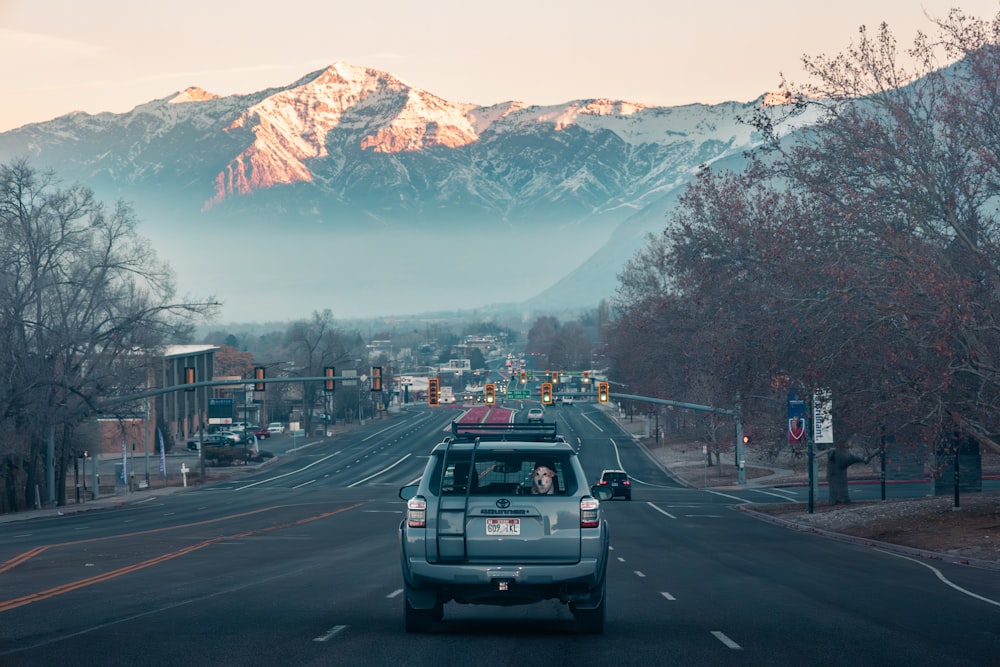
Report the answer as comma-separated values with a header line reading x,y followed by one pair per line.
x,y
627,483
416,512
590,513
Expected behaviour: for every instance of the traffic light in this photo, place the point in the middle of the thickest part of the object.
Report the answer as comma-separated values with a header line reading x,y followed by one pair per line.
x,y
524,378
602,392
258,374
490,394
746,439
555,377
433,391
376,378
329,384
189,377
586,377
546,393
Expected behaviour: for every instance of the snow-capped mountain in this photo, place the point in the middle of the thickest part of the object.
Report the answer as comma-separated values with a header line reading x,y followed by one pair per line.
x,y
350,161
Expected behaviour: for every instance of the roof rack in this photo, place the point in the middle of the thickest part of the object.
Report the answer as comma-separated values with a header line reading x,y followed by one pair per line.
x,y
544,432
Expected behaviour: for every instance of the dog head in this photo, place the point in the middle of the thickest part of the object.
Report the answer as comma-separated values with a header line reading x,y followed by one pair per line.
x,y
542,480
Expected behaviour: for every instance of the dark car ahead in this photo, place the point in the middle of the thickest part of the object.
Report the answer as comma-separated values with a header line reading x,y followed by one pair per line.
x,y
619,483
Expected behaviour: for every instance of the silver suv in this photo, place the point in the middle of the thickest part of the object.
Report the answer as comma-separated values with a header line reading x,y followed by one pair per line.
x,y
503,516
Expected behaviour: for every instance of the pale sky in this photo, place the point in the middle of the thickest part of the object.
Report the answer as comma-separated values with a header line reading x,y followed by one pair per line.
x,y
58,56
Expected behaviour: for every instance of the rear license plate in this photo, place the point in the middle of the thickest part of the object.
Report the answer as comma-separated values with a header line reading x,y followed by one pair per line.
x,y
503,526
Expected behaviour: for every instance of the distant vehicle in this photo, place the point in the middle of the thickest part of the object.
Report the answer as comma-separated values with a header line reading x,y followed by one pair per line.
x,y
535,416
567,400
618,482
260,432
276,428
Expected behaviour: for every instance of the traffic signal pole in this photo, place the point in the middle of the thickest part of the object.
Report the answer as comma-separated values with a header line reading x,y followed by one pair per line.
x,y
735,414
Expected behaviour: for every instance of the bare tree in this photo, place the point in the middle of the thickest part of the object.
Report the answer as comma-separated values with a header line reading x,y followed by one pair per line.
x,y
909,145
314,344
84,303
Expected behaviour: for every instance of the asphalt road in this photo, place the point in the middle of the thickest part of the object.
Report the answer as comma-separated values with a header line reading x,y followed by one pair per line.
x,y
297,564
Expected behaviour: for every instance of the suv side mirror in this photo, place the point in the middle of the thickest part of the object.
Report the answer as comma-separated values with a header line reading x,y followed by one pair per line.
x,y
602,493
408,492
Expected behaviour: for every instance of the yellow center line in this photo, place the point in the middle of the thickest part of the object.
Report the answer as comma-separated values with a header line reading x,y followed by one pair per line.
x,y
96,579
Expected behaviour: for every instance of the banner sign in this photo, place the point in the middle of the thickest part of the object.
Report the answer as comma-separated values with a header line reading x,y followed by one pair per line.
x,y
823,417
796,419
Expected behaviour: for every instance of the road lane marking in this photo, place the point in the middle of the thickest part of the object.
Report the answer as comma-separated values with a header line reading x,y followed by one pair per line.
x,y
395,593
293,472
663,512
726,495
640,574
944,579
386,469
667,595
7,605
331,633
718,634
773,493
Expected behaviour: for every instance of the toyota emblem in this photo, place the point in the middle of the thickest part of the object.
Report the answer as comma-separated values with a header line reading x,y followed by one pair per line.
x,y
503,503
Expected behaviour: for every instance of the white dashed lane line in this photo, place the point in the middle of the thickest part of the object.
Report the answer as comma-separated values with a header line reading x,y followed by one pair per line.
x,y
729,643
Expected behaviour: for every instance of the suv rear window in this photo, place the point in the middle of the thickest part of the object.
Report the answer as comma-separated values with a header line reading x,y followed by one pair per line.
x,y
501,474
615,476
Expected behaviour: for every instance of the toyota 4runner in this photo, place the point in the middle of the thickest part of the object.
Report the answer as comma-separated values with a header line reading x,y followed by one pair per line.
x,y
502,516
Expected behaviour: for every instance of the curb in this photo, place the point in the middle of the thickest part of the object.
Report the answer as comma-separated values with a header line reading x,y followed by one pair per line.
x,y
867,542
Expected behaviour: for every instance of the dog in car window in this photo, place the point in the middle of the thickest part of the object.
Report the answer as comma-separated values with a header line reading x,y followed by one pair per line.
x,y
543,480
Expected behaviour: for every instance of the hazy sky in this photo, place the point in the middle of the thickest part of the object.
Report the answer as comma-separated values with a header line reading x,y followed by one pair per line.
x,y
58,56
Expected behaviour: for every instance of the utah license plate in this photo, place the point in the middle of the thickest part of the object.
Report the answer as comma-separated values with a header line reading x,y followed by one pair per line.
x,y
502,527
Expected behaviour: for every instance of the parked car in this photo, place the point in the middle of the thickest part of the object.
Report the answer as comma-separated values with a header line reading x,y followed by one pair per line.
x,y
535,416
233,437
260,432
213,439
503,515
618,482
276,428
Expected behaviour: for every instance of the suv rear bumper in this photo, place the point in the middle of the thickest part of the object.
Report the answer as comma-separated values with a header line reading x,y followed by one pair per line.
x,y
502,584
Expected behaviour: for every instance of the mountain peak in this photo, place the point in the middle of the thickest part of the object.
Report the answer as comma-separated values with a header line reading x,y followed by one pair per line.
x,y
192,94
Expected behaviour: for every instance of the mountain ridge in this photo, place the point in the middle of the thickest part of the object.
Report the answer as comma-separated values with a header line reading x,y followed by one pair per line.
x,y
358,157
